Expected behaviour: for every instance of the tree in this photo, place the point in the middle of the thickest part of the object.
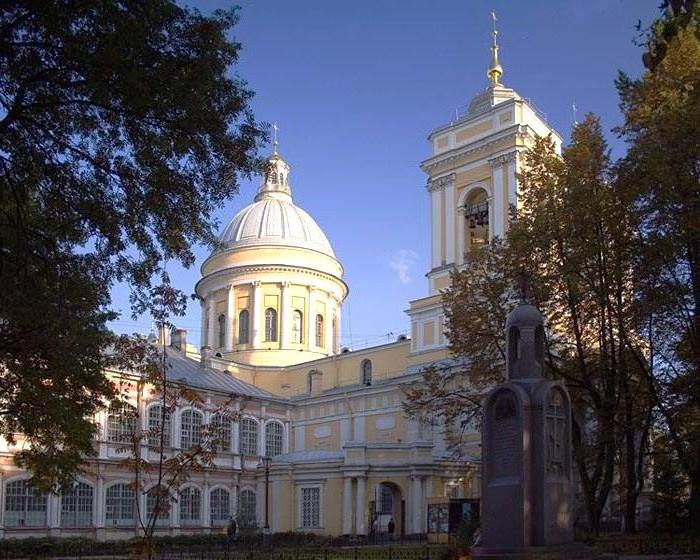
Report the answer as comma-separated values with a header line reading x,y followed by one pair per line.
x,y
661,171
121,130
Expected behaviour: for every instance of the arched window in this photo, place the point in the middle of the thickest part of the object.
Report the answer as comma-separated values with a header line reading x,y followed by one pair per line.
x,y
24,507
476,226
190,428
273,438
270,325
248,437
190,506
76,506
246,509
273,177
243,321
120,505
159,507
222,330
366,372
121,422
298,327
155,421
220,507
221,426
319,331
386,499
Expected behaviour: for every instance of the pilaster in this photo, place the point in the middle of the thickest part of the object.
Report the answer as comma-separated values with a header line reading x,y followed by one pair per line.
x,y
347,505
361,506
285,317
230,317
257,314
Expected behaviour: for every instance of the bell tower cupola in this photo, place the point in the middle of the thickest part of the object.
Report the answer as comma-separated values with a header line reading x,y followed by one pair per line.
x,y
276,178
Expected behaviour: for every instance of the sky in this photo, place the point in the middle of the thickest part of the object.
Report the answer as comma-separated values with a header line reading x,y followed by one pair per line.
x,y
356,87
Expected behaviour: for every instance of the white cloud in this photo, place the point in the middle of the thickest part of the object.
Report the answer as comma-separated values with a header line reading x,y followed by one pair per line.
x,y
402,261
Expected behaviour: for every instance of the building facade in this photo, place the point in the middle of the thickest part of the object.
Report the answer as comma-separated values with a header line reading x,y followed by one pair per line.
x,y
345,459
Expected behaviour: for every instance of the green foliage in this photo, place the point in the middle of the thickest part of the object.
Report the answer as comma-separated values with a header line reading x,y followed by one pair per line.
x,y
670,498
121,130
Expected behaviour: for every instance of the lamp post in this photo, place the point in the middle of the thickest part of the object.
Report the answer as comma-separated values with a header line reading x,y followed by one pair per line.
x,y
266,530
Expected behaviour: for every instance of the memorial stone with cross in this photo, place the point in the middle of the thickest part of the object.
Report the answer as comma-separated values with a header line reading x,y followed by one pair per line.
x,y
527,487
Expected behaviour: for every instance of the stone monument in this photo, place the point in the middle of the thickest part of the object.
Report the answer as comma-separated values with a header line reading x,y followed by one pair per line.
x,y
527,486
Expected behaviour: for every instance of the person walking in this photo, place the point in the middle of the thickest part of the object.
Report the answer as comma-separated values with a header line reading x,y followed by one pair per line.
x,y
231,531
391,527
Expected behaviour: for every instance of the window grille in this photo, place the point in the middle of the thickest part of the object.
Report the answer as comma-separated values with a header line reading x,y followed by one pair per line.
x,y
310,508
23,506
155,417
121,423
190,428
273,439
319,330
270,325
163,507
120,505
76,506
366,372
190,506
243,321
386,499
220,507
297,328
247,506
222,330
222,431
248,436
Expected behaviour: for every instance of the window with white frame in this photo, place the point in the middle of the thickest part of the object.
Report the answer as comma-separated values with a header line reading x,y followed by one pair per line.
x,y
310,507
298,327
248,437
120,505
247,509
319,330
190,506
24,507
121,422
190,428
270,325
273,438
243,330
158,503
76,506
155,421
220,507
221,431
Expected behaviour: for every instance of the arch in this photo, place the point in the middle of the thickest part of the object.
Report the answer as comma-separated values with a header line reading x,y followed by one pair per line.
x,y
247,507
222,330
76,505
190,506
23,506
248,436
219,506
221,427
319,330
274,438
270,325
478,193
120,505
243,327
297,327
387,505
154,418
366,370
160,507
191,421
121,422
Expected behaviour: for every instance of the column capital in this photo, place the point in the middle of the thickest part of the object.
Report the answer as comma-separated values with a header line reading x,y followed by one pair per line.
x,y
503,159
441,182
229,287
256,283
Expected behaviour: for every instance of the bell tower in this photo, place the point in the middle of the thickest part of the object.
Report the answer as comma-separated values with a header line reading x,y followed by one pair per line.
x,y
472,186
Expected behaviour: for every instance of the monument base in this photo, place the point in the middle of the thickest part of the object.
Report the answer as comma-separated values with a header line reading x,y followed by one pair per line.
x,y
572,551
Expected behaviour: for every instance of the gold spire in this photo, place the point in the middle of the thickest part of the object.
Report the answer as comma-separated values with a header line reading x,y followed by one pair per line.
x,y
495,70
275,142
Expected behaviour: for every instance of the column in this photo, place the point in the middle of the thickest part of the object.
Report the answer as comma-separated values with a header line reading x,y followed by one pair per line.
x,y
512,180
360,507
211,315
235,432
206,514
261,437
311,319
347,505
99,503
203,329
450,220
417,504
328,341
260,502
230,318
256,319
285,316
435,236
53,513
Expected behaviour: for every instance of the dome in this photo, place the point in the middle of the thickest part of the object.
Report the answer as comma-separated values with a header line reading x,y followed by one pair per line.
x,y
275,221
273,218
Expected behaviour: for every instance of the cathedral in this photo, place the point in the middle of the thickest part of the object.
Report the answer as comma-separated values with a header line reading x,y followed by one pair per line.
x,y
320,442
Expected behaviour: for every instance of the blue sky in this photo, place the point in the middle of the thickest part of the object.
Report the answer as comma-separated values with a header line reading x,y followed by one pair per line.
x,y
356,87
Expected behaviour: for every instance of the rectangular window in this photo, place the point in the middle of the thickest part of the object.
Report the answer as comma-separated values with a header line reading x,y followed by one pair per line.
x,y
311,508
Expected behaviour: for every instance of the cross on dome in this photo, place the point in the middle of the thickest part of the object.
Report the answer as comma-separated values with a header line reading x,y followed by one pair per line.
x,y
495,70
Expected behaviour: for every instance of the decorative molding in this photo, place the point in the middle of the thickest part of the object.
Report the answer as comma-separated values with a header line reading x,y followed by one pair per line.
x,y
441,182
503,159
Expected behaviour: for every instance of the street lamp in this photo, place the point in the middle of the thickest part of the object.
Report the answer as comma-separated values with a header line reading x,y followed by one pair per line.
x,y
266,530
